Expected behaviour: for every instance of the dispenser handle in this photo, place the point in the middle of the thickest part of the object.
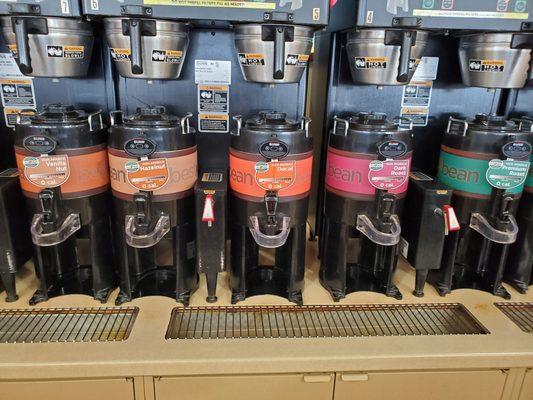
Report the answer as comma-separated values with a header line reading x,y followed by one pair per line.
x,y
482,226
336,121
115,117
136,46
100,122
270,241
367,228
305,125
69,226
405,57
142,241
238,119
185,123
453,120
279,52
23,49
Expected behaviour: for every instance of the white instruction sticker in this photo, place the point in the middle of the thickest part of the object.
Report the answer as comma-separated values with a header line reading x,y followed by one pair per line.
x,y
212,71
9,67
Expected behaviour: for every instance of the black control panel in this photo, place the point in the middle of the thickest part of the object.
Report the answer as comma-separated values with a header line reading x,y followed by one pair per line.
x,y
306,12
501,15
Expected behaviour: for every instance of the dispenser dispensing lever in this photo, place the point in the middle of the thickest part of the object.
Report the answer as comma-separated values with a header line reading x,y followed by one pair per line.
x,y
271,204
139,231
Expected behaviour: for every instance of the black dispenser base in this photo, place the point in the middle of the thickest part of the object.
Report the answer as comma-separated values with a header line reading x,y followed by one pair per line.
x,y
75,281
158,282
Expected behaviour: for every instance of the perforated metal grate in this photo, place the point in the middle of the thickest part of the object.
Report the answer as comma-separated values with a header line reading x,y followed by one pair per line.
x,y
66,324
520,313
322,321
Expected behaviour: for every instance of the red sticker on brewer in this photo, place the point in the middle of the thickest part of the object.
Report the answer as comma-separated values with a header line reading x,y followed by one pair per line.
x,y
47,171
388,174
275,175
148,175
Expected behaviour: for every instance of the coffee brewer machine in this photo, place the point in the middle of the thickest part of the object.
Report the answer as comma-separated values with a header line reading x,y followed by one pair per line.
x,y
48,38
64,175
216,63
445,55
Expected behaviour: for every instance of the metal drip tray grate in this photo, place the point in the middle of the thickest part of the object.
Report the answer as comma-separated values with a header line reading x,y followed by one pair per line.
x,y
322,321
66,324
520,313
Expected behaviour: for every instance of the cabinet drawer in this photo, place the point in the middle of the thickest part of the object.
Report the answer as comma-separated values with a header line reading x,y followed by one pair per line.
x,y
246,387
443,385
90,389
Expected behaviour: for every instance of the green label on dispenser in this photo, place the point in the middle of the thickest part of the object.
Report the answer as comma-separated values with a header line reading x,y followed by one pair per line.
x,y
507,174
469,175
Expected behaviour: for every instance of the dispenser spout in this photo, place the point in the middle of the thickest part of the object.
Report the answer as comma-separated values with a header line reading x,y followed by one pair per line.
x,y
142,229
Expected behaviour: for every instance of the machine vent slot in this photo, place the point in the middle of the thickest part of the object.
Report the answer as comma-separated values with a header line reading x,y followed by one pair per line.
x,y
322,321
48,325
520,313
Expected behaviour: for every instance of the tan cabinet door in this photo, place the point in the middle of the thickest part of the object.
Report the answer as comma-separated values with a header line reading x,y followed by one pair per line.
x,y
444,385
246,387
526,393
90,389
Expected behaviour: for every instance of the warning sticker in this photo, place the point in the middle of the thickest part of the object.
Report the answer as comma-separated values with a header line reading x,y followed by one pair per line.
x,y
213,3
148,175
417,94
120,54
418,116
388,174
47,171
251,59
12,113
167,56
17,93
371,62
213,98
213,123
297,60
13,49
486,65
70,52
275,175
507,174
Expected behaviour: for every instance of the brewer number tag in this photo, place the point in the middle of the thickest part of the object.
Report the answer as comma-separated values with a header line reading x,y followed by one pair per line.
x,y
65,9
275,175
47,171
94,5
147,175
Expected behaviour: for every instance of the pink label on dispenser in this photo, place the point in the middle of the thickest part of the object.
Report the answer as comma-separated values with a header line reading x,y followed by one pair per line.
x,y
352,174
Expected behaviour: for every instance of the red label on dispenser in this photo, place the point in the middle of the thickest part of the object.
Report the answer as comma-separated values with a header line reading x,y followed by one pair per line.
x,y
351,173
388,174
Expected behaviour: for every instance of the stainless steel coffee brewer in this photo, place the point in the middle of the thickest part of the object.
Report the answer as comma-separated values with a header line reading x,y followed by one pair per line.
x,y
47,39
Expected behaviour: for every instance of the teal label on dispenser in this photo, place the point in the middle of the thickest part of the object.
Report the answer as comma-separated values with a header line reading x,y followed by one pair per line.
x,y
470,175
529,179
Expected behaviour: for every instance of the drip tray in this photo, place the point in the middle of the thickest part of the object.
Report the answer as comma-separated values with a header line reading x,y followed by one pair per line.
x,y
520,313
322,321
66,324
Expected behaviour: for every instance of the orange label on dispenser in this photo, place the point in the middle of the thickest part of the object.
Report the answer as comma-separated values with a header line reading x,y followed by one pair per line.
x,y
251,177
275,175
148,175
169,174
78,173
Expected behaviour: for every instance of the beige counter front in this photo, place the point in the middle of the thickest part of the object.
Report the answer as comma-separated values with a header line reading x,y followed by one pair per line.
x,y
454,361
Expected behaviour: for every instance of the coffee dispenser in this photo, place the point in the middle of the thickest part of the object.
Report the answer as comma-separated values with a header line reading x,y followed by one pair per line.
x,y
271,161
153,164
48,38
63,170
367,175
486,162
